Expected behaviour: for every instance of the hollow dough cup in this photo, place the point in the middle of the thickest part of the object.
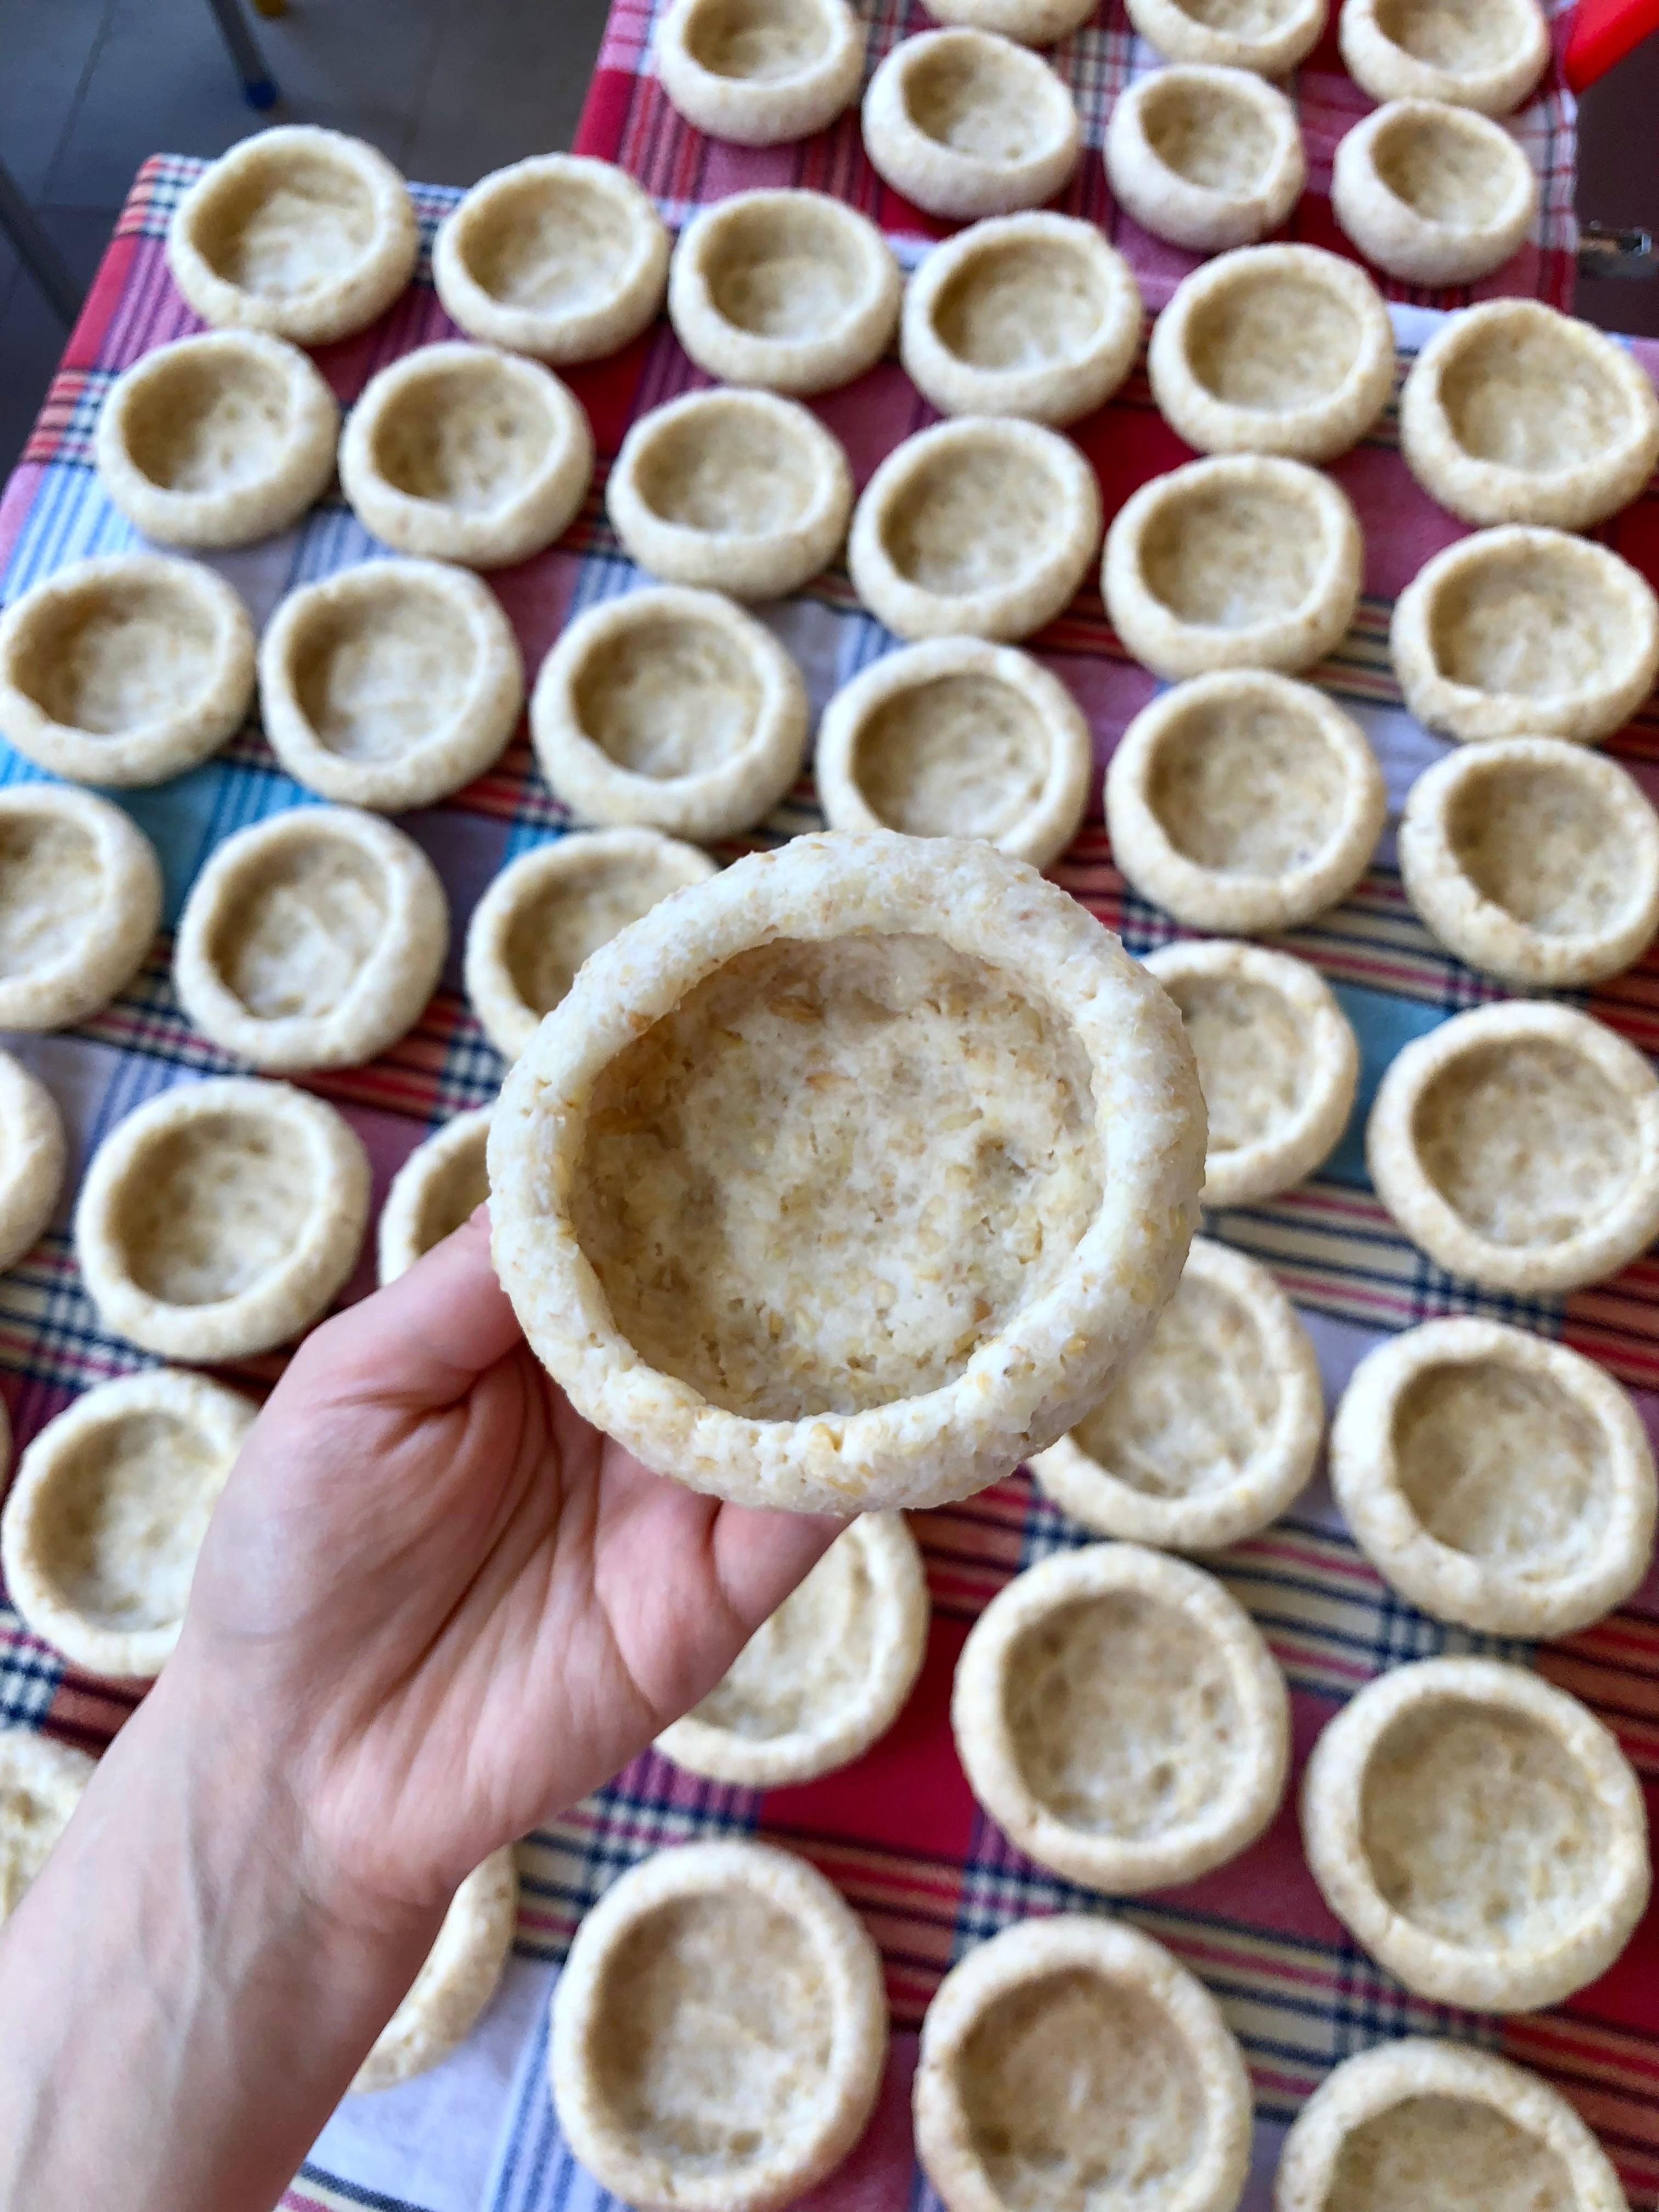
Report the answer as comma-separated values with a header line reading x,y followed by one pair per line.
x,y
439,1187
79,904
826,1676
1266,37
33,1155
312,939
219,1219
720,2030
458,1978
1073,2059
957,739
1119,1716
1534,861
125,669
1205,157
1432,194
1495,1479
1243,802
740,492
102,1527
672,709
1518,1145
760,72
40,1785
977,1188
1032,22
791,290
217,441
461,453
1277,1057
390,686
304,233
1418,2120
1520,632
1515,413
964,124
1211,1430
560,257
1241,560
548,910
1478,1831
980,527
1487,57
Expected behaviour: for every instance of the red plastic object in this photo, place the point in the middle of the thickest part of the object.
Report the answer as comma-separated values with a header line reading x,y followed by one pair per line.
x,y
1602,32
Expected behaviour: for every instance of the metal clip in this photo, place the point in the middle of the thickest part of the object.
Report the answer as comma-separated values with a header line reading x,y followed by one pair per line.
x,y
1605,252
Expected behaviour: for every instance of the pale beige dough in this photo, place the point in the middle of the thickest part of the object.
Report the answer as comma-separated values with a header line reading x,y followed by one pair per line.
x,y
301,232
1071,2062
217,441
439,1187
548,909
33,1156
1483,54
220,1218
1266,37
1518,1145
740,492
1033,22
760,72
670,708
1514,412
125,669
40,1784
458,1978
1433,194
956,738
1205,157
826,1676
79,904
964,123
719,2033
1478,1831
559,256
843,1180
101,1531
1534,861
1211,1431
312,939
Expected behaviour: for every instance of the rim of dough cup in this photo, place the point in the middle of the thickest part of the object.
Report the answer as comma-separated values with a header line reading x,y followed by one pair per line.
x,y
40,1784
1071,2047
313,939
1243,802
305,233
1431,193
911,1358
1277,1059
1209,33
438,1188
1484,431
760,72
766,2135
1272,349
826,1676
740,492
981,526
791,290
1421,2107
1488,59
189,1240
1205,157
125,669
963,123
1211,1431
1534,860
1494,1479
558,256
670,708
1119,1715
1241,561
1465,1154
956,738
1521,632
461,453
522,954
1031,22
217,441
390,685
103,1525
1028,314
1411,1794
79,904
458,1978
33,1156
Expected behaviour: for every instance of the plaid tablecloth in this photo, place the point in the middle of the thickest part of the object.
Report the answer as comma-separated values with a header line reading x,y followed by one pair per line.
x,y
898,1831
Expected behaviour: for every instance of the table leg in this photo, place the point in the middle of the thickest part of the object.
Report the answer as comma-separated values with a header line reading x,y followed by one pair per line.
x,y
258,86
